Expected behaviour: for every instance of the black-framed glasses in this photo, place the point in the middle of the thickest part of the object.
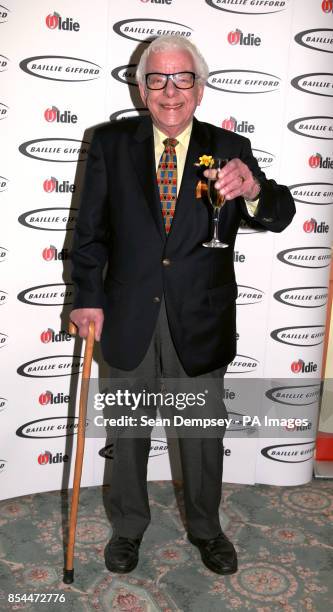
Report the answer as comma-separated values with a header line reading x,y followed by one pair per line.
x,y
181,80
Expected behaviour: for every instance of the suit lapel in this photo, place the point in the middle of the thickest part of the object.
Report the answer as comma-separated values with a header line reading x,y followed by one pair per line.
x,y
198,145
143,157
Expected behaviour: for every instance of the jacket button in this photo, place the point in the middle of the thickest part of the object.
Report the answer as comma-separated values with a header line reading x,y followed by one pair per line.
x,y
166,262
156,299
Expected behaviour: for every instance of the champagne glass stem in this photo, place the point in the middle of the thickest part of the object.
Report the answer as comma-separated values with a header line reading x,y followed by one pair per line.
x,y
216,222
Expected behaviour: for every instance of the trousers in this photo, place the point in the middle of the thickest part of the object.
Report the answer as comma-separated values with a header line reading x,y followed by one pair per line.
x,y
201,457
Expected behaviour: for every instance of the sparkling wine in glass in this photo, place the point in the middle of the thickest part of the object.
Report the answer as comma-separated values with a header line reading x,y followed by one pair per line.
x,y
216,200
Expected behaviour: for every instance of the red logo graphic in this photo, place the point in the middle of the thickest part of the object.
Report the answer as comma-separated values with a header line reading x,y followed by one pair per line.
x,y
49,253
234,37
44,459
52,21
229,124
296,366
314,160
45,398
309,225
49,185
51,114
46,336
327,6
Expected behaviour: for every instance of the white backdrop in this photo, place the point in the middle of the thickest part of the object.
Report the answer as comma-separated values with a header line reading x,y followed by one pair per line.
x,y
63,71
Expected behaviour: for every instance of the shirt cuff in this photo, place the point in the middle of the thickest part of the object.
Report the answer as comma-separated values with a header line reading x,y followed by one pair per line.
x,y
251,206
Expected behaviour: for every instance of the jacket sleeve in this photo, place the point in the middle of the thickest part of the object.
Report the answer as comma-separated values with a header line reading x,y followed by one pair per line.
x,y
91,234
276,207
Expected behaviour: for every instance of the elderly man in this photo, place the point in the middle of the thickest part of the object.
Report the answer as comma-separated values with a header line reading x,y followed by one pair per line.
x,y
166,306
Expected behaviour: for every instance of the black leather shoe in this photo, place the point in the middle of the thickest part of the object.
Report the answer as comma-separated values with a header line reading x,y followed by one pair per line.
x,y
218,554
122,554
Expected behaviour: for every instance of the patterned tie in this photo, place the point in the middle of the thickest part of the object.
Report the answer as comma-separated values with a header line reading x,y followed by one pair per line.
x,y
167,181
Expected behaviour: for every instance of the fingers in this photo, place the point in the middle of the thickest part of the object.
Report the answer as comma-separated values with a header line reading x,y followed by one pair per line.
x,y
235,180
82,317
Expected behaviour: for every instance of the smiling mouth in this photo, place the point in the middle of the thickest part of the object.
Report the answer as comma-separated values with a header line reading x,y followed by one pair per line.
x,y
171,107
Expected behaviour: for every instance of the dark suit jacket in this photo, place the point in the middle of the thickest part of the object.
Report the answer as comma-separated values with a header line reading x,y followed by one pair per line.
x,y
120,224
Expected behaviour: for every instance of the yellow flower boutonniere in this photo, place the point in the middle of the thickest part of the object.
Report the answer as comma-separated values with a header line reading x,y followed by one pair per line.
x,y
205,160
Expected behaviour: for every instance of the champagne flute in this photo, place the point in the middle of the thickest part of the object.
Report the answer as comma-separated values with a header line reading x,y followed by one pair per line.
x,y
216,200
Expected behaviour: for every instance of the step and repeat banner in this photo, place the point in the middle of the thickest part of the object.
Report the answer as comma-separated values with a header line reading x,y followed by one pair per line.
x,y
65,67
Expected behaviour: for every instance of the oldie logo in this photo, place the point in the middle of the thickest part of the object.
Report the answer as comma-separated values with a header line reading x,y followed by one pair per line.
x,y
52,366
60,68
236,37
46,458
249,7
316,161
3,254
302,395
3,340
242,127
50,219
54,185
49,335
52,427
248,295
51,253
53,398
290,453
145,30
242,364
54,21
3,183
312,193
264,158
311,226
3,13
125,74
3,297
320,127
303,297
3,403
53,115
55,149
243,81
129,112
3,63
320,40
317,83
306,257
58,294
300,367
301,335
3,111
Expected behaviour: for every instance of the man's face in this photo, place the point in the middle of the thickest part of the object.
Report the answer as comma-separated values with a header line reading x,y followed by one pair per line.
x,y
171,109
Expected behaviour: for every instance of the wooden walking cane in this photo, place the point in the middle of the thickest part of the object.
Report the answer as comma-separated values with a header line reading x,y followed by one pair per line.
x,y
88,352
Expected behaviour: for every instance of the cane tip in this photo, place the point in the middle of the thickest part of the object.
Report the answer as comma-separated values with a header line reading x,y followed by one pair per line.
x,y
68,576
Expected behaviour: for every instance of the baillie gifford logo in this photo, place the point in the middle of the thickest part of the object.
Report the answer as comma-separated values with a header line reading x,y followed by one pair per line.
x,y
249,7
236,37
327,6
317,161
51,253
241,127
300,367
49,335
54,185
54,21
311,226
53,114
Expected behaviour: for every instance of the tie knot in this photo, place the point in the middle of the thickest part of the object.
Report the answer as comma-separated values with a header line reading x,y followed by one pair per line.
x,y
170,143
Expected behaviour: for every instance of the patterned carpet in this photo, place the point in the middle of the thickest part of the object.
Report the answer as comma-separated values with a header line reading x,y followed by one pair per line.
x,y
283,537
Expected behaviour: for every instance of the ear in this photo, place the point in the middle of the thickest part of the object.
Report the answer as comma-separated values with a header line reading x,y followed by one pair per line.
x,y
143,93
201,89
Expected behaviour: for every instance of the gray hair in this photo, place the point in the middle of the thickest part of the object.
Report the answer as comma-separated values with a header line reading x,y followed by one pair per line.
x,y
173,43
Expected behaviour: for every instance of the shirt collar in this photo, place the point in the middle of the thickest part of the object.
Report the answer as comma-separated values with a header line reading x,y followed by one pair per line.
x,y
183,138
